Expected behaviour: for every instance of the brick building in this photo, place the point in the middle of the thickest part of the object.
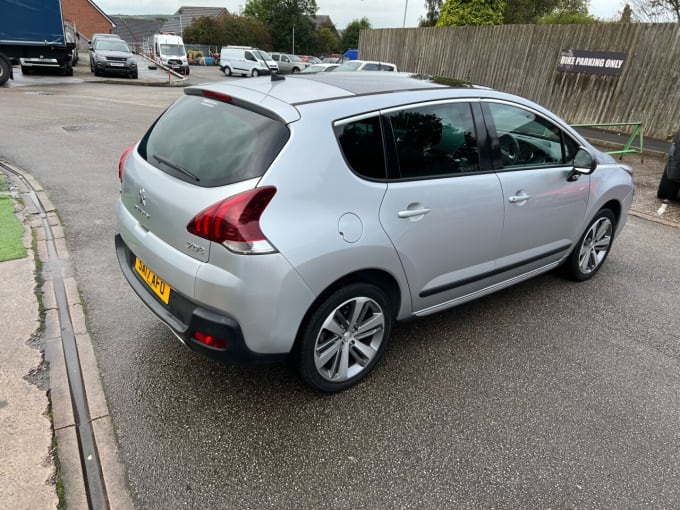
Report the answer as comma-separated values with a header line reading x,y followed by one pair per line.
x,y
87,16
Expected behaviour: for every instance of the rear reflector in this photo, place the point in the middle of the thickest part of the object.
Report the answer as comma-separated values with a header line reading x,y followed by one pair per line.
x,y
210,341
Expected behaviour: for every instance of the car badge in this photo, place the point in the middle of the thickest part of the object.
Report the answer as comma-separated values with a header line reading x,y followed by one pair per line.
x,y
142,196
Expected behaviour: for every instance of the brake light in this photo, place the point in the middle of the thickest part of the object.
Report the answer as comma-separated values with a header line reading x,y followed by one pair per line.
x,y
123,159
225,98
235,222
210,341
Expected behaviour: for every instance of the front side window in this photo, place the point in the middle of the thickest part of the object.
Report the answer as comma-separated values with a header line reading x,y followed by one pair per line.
x,y
249,56
527,139
435,140
362,146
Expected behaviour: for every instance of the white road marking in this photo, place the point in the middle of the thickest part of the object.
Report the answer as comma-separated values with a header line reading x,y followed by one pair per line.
x,y
661,210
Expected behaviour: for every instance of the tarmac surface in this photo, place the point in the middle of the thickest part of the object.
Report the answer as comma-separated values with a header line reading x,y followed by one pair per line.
x,y
43,316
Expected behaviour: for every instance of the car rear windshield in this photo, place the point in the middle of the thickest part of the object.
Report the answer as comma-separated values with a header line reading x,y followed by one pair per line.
x,y
211,143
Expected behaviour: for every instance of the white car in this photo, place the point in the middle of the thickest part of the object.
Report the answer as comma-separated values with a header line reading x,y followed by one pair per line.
x,y
366,65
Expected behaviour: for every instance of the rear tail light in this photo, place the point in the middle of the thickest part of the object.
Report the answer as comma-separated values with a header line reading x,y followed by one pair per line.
x,y
235,222
123,159
210,341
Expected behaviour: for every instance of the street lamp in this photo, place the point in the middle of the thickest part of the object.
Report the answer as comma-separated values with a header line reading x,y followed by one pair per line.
x,y
293,52
403,25
181,28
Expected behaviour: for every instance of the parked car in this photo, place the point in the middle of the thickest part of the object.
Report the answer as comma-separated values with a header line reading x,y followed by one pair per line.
x,y
366,65
422,197
112,56
320,68
92,42
289,63
246,61
669,186
310,59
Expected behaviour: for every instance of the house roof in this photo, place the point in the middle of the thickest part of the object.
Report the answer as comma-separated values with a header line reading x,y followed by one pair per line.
x,y
134,29
113,24
185,16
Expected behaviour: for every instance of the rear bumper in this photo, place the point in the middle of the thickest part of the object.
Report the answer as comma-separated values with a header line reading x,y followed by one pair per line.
x,y
184,317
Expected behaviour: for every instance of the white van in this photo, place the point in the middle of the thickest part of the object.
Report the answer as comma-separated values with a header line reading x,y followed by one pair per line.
x,y
246,61
168,50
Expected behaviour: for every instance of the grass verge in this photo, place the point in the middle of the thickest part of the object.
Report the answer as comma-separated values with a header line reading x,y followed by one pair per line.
x,y
11,230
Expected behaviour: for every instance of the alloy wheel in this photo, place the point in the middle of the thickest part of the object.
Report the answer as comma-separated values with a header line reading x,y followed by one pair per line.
x,y
349,339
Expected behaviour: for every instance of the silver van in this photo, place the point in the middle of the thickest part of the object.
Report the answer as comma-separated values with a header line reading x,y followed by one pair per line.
x,y
243,60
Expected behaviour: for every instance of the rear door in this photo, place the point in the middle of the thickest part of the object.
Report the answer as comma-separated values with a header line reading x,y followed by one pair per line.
x,y
443,207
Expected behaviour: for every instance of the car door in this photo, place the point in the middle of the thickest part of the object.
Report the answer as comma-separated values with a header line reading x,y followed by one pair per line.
x,y
443,206
544,205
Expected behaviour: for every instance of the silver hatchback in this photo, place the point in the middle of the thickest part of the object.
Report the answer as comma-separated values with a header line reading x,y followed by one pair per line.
x,y
301,217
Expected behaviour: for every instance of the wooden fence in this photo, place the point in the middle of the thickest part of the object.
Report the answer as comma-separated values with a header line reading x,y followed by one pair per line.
x,y
522,59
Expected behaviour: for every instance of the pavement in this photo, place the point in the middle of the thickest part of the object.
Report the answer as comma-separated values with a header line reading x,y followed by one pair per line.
x,y
50,386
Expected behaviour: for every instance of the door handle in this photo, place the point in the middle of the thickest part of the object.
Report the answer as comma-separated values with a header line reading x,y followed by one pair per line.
x,y
518,198
410,213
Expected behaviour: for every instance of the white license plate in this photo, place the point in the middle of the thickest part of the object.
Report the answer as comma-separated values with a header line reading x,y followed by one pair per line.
x,y
117,64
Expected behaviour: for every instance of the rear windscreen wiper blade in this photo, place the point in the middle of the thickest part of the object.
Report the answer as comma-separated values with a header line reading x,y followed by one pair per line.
x,y
172,165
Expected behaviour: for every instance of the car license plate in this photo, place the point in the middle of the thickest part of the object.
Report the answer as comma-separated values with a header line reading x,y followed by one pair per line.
x,y
158,286
117,64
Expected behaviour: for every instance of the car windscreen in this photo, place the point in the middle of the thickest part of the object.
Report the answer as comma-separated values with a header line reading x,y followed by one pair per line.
x,y
212,143
173,50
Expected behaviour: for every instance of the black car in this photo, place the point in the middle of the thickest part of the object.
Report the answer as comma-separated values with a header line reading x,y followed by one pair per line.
x,y
669,187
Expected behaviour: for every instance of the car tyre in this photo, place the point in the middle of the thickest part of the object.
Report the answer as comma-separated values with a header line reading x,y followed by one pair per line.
x,y
668,189
254,73
295,70
134,75
227,71
344,337
592,248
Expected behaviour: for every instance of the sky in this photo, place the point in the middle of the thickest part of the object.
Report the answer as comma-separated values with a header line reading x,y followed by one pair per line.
x,y
380,13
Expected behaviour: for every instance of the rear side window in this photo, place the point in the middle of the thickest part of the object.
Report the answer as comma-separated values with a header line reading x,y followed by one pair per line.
x,y
362,146
435,140
210,143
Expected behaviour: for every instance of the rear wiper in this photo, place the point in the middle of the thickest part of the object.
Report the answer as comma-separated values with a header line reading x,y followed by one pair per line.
x,y
172,165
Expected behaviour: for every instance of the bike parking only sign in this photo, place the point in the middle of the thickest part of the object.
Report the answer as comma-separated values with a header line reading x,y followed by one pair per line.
x,y
594,62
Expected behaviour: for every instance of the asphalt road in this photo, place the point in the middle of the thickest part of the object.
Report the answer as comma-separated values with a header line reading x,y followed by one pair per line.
x,y
547,395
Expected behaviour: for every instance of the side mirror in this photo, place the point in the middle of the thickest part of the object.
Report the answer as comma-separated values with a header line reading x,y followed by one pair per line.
x,y
584,164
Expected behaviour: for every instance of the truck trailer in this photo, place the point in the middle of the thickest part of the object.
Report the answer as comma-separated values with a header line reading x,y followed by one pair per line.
x,y
33,30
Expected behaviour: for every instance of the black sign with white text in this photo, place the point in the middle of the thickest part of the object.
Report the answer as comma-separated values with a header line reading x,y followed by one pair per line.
x,y
594,62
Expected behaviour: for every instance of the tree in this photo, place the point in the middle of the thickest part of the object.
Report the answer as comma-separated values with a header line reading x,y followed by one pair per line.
x,y
328,41
230,29
568,12
203,30
432,10
527,11
626,14
350,36
471,12
656,10
289,22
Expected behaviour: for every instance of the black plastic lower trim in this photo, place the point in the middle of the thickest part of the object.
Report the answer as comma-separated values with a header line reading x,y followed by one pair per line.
x,y
488,274
184,318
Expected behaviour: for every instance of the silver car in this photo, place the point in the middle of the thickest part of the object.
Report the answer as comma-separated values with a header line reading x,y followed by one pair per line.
x,y
417,196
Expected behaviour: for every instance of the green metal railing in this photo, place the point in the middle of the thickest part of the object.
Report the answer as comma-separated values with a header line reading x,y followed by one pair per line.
x,y
628,148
